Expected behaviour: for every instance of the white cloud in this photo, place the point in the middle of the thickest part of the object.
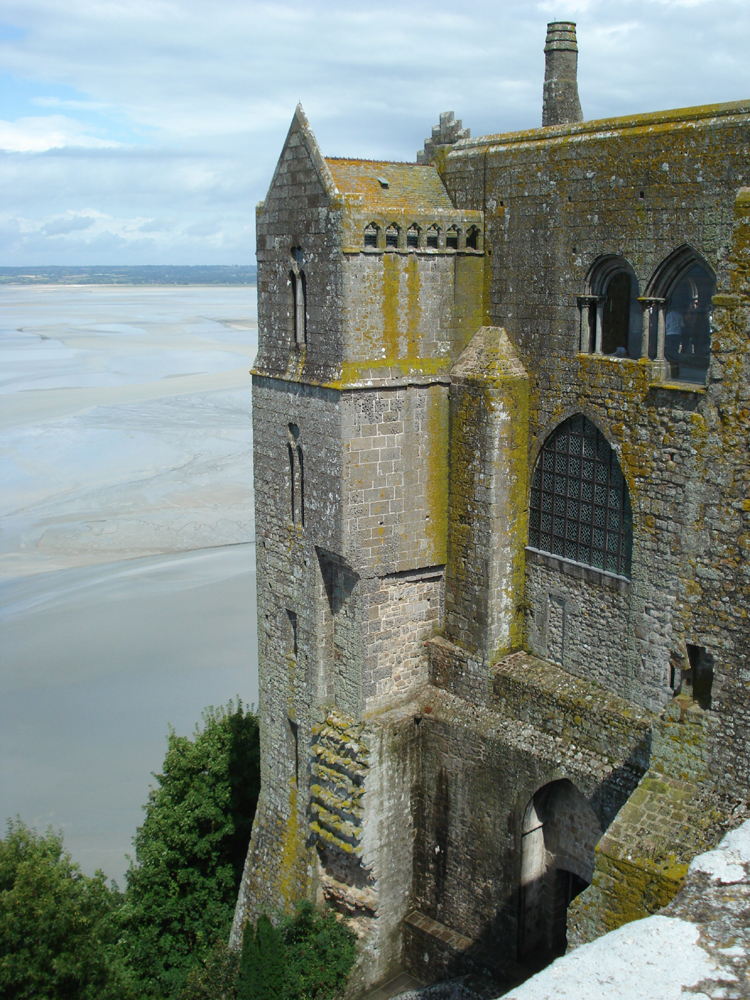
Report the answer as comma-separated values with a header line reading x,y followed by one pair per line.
x,y
67,224
36,135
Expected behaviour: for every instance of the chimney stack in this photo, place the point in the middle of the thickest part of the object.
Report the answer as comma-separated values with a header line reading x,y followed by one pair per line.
x,y
561,103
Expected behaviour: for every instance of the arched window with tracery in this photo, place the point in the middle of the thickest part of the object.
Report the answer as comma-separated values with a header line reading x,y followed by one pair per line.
x,y
679,300
580,505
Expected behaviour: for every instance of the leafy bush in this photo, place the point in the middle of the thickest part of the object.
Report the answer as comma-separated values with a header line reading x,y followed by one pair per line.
x,y
190,850
216,976
58,928
308,957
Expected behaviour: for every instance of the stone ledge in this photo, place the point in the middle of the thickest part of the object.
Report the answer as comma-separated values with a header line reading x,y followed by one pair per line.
x,y
590,574
535,691
458,942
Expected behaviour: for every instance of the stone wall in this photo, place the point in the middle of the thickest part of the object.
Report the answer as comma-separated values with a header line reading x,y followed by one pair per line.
x,y
555,200
581,619
395,447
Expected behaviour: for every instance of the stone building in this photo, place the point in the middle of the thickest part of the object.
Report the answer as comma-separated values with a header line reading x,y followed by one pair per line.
x,y
502,481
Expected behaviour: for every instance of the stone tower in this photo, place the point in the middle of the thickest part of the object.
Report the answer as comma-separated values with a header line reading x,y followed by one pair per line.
x,y
370,285
561,103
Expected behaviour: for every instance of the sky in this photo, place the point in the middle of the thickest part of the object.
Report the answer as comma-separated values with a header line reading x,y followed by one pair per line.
x,y
145,131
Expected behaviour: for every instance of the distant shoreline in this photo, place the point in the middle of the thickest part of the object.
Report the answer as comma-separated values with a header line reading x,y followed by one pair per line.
x,y
146,274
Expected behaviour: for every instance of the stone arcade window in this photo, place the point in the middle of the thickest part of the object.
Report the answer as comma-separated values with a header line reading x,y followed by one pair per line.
x,y
580,505
391,237
451,238
412,237
472,238
371,235
432,238
611,317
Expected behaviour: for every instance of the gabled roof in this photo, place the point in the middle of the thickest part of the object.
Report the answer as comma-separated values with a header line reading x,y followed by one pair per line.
x,y
414,186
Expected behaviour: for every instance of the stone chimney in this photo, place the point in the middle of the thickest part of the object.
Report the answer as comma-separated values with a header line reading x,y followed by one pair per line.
x,y
561,103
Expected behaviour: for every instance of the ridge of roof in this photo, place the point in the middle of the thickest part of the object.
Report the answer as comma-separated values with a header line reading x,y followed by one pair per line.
x,y
574,130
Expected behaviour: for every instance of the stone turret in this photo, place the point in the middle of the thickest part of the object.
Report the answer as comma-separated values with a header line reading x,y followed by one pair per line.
x,y
561,102
444,137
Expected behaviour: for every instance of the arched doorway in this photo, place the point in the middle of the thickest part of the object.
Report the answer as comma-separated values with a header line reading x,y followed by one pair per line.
x,y
559,834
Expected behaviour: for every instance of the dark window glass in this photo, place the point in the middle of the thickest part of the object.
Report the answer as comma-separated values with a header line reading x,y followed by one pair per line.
x,y
581,509
621,322
687,343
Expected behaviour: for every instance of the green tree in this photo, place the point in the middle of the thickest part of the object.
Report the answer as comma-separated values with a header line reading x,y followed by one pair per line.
x,y
215,978
190,850
58,927
309,957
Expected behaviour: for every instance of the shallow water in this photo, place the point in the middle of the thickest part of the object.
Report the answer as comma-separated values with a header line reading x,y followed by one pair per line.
x,y
127,564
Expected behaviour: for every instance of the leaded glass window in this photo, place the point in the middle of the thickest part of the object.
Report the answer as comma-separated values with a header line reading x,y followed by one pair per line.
x,y
580,505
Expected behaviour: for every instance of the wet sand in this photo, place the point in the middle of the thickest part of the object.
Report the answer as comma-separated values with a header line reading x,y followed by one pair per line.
x,y
127,574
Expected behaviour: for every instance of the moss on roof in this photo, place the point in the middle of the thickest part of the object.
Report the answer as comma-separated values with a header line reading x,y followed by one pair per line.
x,y
409,185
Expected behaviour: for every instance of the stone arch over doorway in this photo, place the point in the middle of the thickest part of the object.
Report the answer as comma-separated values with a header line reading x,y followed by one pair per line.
x,y
559,834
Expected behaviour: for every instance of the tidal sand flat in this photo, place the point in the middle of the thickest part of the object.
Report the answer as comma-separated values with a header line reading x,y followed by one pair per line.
x,y
127,564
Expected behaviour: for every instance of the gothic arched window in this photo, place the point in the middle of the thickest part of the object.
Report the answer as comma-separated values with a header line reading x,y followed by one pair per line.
x,y
296,477
298,286
611,316
679,298
580,505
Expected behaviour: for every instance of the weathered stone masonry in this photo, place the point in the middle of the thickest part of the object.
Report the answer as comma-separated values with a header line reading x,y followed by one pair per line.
x,y
450,715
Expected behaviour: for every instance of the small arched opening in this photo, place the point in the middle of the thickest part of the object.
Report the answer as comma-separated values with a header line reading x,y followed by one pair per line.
x,y
679,298
412,237
391,236
611,316
559,834
371,235
432,238
472,238
451,238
